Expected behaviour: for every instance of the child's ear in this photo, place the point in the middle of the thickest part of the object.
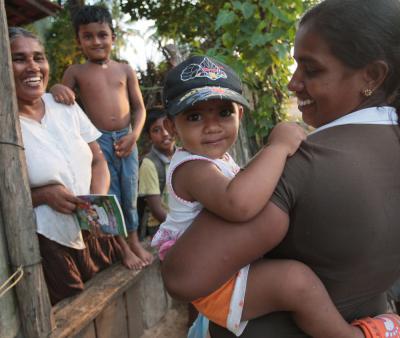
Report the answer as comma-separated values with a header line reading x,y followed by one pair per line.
x,y
170,126
241,111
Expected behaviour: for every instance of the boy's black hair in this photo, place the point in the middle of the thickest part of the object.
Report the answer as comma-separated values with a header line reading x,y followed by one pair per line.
x,y
359,32
153,114
88,14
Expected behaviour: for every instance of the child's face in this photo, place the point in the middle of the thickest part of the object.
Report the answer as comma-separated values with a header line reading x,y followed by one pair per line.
x,y
160,138
209,128
96,40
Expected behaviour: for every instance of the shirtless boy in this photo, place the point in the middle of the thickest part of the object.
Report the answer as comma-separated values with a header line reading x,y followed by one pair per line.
x,y
110,93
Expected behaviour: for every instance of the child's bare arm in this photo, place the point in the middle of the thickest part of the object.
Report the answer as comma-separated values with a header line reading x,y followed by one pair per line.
x,y
136,101
126,144
63,92
156,208
202,181
254,185
288,135
245,195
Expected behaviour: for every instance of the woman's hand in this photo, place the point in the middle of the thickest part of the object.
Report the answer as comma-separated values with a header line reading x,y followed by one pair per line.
x,y
57,197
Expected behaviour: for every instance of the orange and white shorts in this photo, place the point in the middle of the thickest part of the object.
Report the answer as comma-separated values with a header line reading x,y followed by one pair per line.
x,y
383,326
225,305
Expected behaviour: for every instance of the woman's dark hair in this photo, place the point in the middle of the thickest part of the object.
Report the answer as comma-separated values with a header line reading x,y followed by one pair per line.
x,y
89,14
16,32
153,114
360,32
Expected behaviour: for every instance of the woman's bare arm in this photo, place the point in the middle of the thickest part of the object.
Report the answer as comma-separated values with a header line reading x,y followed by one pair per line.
x,y
212,250
56,196
100,175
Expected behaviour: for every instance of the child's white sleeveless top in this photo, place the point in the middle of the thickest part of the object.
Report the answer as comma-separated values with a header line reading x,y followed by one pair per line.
x,y
181,212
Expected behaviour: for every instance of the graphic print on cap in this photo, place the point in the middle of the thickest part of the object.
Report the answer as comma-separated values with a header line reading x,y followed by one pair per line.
x,y
201,94
206,68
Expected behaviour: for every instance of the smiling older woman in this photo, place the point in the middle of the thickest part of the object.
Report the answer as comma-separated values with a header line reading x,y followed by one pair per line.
x,y
340,193
63,161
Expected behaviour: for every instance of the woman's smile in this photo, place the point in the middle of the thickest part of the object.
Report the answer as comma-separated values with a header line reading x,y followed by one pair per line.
x,y
33,81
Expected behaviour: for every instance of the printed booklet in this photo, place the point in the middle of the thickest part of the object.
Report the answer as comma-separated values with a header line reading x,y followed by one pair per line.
x,y
101,213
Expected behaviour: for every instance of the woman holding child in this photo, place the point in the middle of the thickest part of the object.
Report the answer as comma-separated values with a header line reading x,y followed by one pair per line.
x,y
63,161
338,198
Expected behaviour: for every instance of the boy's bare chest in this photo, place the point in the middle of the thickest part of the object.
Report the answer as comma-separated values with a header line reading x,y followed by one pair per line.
x,y
102,79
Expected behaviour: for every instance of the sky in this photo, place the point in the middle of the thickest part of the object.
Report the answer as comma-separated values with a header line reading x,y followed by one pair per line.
x,y
139,47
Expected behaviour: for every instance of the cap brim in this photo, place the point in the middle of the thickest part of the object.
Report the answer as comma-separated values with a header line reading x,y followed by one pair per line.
x,y
202,94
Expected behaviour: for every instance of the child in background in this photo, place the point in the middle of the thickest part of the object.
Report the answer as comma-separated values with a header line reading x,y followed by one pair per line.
x,y
110,94
204,103
153,169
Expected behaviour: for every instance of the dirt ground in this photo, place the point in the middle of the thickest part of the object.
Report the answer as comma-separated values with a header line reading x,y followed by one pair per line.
x,y
173,325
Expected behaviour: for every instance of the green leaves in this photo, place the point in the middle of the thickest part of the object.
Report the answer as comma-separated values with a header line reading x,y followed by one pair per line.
x,y
248,10
259,39
225,17
279,14
255,37
258,35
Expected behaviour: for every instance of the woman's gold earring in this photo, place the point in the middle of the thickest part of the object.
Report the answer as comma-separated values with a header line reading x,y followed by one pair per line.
x,y
367,92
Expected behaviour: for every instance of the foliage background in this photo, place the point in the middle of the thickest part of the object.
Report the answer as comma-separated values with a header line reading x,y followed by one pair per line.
x,y
255,37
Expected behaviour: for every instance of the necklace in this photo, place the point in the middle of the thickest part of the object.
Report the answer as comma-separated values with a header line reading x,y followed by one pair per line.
x,y
102,63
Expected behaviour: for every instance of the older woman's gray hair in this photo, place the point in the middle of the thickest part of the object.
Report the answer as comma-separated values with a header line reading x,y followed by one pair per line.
x,y
15,32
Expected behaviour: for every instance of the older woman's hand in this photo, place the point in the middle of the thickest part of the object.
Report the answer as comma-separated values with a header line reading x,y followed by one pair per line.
x,y
57,197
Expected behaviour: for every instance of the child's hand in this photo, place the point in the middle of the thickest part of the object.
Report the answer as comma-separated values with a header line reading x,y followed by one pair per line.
x,y
125,145
63,94
288,135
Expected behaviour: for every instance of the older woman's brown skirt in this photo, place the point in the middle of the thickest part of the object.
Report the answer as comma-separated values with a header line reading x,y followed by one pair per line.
x,y
67,269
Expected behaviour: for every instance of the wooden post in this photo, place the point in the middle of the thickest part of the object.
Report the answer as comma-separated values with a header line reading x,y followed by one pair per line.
x,y
10,325
16,206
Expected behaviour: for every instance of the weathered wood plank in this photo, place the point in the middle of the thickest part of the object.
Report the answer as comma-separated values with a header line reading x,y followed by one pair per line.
x,y
15,204
134,311
88,332
153,296
73,314
112,322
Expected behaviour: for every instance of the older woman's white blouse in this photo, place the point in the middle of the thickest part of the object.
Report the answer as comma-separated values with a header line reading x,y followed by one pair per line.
x,y
57,152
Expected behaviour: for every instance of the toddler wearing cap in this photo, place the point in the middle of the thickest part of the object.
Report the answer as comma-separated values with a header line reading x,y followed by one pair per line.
x,y
204,102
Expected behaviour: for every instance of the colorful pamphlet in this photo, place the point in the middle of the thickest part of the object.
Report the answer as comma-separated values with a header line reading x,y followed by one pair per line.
x,y
101,213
